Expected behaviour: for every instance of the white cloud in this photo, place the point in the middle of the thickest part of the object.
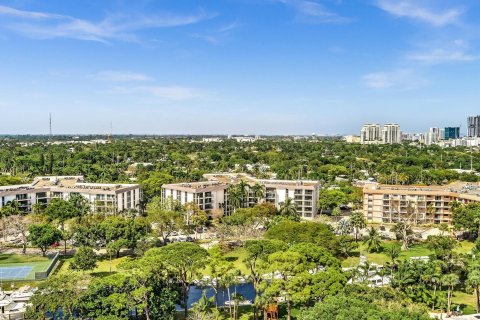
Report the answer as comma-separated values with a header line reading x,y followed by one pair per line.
x,y
176,93
218,35
440,52
4,10
412,9
118,27
313,11
170,93
120,76
438,56
401,79
208,38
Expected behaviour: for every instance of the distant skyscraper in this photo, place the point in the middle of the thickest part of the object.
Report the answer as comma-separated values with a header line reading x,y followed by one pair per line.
x,y
391,134
452,133
474,126
370,133
434,135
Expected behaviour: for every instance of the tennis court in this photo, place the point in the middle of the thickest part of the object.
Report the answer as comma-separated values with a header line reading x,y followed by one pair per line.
x,y
22,267
15,273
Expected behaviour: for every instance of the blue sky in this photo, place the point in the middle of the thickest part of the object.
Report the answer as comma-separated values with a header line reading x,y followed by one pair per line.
x,y
237,66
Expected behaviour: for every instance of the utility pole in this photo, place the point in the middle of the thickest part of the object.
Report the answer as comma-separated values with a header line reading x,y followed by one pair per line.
x,y
471,159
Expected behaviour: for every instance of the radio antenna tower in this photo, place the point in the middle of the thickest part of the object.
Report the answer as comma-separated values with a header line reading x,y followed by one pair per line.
x,y
50,133
110,135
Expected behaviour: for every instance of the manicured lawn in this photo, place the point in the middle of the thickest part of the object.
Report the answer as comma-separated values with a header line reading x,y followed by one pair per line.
x,y
465,247
417,250
236,257
7,258
104,266
381,258
466,302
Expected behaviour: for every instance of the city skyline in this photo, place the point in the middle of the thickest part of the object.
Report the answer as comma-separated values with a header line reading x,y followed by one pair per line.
x,y
282,66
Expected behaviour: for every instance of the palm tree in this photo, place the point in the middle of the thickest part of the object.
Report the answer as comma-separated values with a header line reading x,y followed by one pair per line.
x,y
432,276
258,191
344,227
373,240
243,190
288,208
234,197
473,281
393,252
431,212
357,219
450,281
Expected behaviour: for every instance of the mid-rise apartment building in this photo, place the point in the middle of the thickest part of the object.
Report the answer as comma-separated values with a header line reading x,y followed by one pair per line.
x,y
103,197
212,194
416,204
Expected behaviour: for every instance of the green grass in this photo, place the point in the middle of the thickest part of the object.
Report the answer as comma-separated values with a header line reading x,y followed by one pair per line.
x,y
104,266
38,263
8,258
236,257
464,247
417,250
465,300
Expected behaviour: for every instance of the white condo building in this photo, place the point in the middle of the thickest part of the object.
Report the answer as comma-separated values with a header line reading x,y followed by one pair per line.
x,y
103,197
434,135
212,194
391,134
370,133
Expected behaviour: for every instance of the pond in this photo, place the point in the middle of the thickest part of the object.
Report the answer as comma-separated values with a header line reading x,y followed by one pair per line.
x,y
245,289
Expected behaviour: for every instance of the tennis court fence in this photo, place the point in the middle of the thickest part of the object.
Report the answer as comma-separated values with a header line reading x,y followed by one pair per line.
x,y
42,275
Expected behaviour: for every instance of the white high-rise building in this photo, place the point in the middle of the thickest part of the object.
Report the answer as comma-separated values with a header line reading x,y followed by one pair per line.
x,y
391,134
370,133
434,135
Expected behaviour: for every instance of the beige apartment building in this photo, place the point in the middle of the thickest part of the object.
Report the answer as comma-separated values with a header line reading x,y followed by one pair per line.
x,y
103,197
416,204
212,194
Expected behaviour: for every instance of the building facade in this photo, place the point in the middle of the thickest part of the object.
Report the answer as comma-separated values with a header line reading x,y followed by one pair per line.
x,y
391,134
370,134
474,126
452,133
212,194
434,135
108,198
416,204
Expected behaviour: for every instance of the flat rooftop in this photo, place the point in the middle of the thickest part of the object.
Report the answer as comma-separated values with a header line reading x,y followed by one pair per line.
x,y
195,186
76,183
223,180
464,188
229,178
